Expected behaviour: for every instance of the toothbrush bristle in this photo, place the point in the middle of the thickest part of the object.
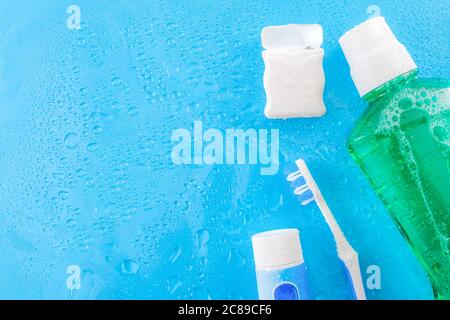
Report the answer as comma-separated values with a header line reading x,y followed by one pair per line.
x,y
299,181
301,188
306,202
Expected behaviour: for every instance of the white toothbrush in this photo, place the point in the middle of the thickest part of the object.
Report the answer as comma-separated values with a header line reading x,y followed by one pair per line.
x,y
346,253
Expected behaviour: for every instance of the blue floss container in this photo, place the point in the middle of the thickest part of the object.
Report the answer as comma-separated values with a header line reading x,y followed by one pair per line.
x,y
280,267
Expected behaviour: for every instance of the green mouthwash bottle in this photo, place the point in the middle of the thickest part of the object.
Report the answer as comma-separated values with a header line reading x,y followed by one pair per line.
x,y
402,142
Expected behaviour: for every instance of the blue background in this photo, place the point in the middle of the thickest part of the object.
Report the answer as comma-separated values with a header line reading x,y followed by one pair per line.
x,y
86,176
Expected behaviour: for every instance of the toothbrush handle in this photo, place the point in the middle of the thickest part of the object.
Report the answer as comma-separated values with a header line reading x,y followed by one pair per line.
x,y
353,272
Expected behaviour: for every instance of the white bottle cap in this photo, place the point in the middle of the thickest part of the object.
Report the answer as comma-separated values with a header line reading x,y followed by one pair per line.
x,y
277,249
374,54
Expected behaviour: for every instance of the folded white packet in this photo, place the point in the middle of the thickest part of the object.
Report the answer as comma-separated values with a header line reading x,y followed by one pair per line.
x,y
293,78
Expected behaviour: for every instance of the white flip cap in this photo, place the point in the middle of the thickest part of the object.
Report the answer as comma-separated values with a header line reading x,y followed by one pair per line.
x,y
292,36
374,54
277,249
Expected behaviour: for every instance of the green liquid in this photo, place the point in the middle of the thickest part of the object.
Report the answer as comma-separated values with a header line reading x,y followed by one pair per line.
x,y
402,143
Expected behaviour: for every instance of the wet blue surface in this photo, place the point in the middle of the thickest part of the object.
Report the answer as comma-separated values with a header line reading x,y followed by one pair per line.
x,y
86,176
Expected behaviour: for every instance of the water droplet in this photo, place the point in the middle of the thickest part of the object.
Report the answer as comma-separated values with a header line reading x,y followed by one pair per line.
x,y
71,140
171,26
125,216
129,266
80,173
175,255
132,111
97,130
235,258
202,239
58,176
70,223
173,284
92,147
171,42
63,195
116,81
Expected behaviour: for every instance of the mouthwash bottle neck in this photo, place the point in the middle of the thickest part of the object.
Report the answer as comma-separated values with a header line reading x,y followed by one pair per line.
x,y
391,86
